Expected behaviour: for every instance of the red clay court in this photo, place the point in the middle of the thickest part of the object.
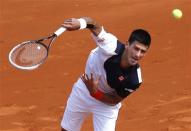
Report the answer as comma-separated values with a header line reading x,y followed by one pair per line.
x,y
35,100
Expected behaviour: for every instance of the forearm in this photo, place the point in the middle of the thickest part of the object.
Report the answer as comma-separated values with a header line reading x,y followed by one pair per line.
x,y
92,25
72,24
110,99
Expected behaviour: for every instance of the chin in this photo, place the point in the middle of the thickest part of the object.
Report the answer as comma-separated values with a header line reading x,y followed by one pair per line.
x,y
132,63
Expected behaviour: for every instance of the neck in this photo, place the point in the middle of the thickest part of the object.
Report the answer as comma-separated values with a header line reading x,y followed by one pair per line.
x,y
124,61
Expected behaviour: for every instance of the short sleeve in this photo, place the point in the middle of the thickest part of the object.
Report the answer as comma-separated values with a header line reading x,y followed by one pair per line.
x,y
106,42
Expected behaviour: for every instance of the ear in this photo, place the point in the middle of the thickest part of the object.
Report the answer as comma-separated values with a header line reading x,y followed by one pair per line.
x,y
126,44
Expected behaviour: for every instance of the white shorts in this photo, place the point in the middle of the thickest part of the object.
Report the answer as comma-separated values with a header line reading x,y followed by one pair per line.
x,y
80,104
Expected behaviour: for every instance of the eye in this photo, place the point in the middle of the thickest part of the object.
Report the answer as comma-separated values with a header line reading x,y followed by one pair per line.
x,y
143,51
136,48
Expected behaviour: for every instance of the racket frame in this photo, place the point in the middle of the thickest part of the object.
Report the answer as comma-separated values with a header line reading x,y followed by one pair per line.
x,y
26,67
51,37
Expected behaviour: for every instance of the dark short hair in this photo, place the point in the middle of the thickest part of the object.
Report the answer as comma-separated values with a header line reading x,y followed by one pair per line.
x,y
141,36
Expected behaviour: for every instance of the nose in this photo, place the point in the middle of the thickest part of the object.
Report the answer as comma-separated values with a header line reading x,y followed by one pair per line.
x,y
138,54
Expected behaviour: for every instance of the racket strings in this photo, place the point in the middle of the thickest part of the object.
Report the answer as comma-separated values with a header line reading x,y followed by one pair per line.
x,y
29,54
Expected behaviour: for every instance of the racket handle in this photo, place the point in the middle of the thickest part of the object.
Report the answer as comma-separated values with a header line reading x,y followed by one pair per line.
x,y
60,31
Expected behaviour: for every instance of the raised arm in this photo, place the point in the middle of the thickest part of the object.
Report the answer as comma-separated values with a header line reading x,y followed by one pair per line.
x,y
72,24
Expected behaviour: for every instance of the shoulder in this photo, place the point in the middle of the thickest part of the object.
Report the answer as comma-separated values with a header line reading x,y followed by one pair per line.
x,y
120,47
135,75
108,43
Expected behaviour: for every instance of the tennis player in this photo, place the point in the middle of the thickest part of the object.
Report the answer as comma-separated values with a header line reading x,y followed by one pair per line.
x,y
111,74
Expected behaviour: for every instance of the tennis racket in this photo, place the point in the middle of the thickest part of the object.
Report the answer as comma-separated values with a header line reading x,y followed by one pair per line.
x,y
31,54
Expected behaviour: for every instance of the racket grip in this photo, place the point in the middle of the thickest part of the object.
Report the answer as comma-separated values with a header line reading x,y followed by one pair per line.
x,y
60,31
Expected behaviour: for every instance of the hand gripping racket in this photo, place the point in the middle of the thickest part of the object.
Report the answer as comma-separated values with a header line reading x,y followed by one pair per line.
x,y
31,54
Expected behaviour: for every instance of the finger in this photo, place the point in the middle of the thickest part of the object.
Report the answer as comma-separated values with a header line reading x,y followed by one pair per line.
x,y
92,77
86,76
99,77
68,20
67,25
83,77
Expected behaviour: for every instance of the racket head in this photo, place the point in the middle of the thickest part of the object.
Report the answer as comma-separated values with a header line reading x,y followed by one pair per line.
x,y
28,55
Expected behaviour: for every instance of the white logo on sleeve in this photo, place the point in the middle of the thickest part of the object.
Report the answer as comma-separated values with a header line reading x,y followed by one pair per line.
x,y
101,40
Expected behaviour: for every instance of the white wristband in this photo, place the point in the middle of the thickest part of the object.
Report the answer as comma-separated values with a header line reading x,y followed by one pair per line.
x,y
83,23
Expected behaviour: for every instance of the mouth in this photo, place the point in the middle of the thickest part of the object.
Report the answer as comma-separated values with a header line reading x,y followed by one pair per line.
x,y
134,60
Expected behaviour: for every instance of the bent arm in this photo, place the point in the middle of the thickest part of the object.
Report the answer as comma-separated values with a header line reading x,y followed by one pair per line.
x,y
92,86
111,99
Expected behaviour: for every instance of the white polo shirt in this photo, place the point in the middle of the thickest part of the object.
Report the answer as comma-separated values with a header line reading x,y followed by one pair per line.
x,y
104,62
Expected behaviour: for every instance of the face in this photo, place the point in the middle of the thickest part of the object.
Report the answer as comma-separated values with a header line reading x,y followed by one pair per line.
x,y
135,52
